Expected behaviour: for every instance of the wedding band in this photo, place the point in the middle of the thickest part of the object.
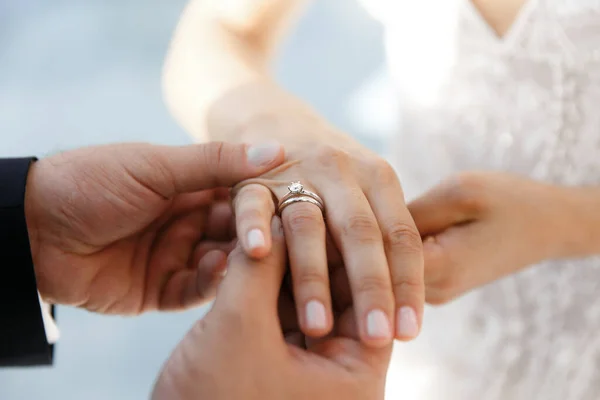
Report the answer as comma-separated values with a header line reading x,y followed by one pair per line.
x,y
296,189
297,194
302,199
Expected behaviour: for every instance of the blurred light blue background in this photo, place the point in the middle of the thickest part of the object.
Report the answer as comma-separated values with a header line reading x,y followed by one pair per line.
x,y
75,73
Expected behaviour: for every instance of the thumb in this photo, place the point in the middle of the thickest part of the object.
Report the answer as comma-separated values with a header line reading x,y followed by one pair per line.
x,y
250,290
170,170
445,205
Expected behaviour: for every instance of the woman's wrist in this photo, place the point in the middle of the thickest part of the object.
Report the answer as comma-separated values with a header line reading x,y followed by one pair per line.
x,y
262,111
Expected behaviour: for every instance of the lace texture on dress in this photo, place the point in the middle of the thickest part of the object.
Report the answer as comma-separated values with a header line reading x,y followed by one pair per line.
x,y
527,103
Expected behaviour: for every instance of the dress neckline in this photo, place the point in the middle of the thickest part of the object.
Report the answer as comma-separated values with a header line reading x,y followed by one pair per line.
x,y
515,29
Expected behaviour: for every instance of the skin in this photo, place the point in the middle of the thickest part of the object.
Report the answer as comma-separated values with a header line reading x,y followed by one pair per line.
x,y
481,226
135,227
217,85
499,14
250,347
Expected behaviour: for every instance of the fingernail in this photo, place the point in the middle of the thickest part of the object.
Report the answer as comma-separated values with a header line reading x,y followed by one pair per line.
x,y
407,325
316,316
256,239
378,325
263,154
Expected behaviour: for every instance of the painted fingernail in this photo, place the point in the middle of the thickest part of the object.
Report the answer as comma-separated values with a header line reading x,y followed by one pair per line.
x,y
407,325
378,325
263,154
256,239
316,316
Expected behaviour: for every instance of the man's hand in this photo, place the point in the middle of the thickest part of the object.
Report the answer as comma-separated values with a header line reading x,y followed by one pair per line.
x,y
134,227
239,351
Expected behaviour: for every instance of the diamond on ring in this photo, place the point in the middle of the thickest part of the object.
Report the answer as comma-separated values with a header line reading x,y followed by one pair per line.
x,y
296,187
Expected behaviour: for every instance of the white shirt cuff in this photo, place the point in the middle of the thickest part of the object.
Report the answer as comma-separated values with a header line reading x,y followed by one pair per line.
x,y
52,332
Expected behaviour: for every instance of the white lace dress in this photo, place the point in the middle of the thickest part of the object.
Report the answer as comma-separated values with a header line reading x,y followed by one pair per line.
x,y
529,103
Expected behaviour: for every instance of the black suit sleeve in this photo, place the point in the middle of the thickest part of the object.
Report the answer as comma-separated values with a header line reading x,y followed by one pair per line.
x,y
22,335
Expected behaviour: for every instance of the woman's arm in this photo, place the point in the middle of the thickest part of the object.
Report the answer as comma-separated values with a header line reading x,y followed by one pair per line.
x,y
221,47
218,86
581,236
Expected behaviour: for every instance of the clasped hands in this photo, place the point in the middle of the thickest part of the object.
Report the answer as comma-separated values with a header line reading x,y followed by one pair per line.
x,y
131,228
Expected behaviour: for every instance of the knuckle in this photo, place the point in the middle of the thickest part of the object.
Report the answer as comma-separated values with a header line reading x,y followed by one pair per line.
x,y
253,196
383,172
371,285
253,201
331,157
447,284
402,237
249,192
310,277
144,156
406,284
214,152
159,165
465,190
442,291
215,155
251,215
301,218
362,228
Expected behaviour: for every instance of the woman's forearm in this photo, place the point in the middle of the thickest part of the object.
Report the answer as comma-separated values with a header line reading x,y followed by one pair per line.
x,y
575,230
216,78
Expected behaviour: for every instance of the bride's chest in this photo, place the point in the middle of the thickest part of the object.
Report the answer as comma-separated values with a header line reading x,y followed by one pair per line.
x,y
550,45
428,30
526,99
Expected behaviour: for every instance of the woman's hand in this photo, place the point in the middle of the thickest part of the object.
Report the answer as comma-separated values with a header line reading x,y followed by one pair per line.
x,y
367,219
479,227
217,85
